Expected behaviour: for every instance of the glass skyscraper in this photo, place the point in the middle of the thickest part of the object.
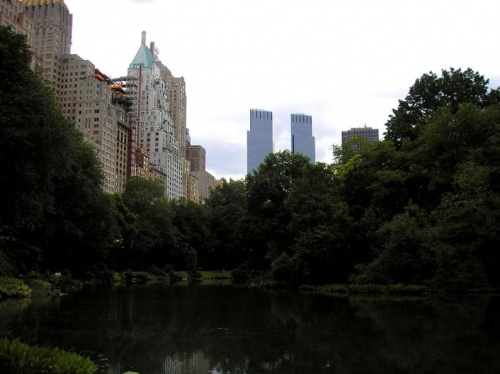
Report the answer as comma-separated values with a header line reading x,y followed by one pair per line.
x,y
259,138
302,139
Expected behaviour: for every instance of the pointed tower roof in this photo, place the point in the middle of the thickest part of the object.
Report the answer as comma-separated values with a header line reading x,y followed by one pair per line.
x,y
144,56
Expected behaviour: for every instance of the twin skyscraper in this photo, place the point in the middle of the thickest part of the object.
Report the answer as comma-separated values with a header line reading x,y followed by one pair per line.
x,y
260,137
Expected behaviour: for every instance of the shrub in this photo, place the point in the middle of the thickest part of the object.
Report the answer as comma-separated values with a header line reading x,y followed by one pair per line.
x,y
285,269
117,277
12,287
241,274
369,289
142,277
39,287
105,276
216,274
20,358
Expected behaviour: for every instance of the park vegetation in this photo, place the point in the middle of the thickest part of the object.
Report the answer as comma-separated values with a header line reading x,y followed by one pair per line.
x,y
421,207
20,358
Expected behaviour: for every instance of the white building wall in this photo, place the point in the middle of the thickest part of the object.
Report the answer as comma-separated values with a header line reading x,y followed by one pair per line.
x,y
156,128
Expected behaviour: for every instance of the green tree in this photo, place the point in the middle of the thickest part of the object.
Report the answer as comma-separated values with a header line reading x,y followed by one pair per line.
x,y
350,147
153,242
467,231
192,223
51,180
404,256
227,205
428,94
268,217
80,228
124,233
141,193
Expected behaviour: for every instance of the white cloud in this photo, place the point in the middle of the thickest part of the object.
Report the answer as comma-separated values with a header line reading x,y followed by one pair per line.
x,y
346,63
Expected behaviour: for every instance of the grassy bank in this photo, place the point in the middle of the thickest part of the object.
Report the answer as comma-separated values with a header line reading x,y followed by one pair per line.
x,y
368,289
20,358
36,285
141,277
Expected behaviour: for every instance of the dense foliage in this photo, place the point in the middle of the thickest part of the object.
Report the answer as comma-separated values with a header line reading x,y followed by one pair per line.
x,y
20,358
420,207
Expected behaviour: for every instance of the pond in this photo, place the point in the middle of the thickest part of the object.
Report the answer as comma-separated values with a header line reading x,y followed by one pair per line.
x,y
217,328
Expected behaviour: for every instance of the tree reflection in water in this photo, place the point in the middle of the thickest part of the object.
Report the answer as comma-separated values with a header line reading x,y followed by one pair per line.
x,y
194,329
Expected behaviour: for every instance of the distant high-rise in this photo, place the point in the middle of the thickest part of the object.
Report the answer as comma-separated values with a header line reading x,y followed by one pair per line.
x,y
196,154
369,134
259,138
52,35
302,139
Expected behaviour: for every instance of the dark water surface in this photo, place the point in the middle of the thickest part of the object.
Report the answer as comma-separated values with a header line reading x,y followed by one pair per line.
x,y
220,329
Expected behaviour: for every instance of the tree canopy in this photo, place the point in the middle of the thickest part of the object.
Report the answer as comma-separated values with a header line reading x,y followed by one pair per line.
x,y
420,207
51,180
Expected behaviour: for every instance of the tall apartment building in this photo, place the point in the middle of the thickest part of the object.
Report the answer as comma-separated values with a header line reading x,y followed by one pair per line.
x,y
12,15
144,113
196,155
177,98
369,134
99,110
259,138
52,34
206,182
154,127
301,136
192,183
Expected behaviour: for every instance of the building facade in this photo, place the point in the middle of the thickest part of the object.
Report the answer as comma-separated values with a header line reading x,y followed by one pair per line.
x,y
155,128
302,141
53,24
367,133
99,110
177,98
135,123
12,15
200,179
88,98
259,138
196,155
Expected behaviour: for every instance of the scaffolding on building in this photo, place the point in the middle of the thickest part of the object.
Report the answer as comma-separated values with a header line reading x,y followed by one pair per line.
x,y
132,87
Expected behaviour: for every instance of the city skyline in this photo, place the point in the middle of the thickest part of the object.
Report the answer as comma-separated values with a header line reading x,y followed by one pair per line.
x,y
347,65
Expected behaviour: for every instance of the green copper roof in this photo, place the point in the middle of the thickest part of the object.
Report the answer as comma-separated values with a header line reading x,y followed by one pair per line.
x,y
144,57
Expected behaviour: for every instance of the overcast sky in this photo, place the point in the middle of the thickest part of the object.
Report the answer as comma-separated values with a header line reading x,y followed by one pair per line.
x,y
345,63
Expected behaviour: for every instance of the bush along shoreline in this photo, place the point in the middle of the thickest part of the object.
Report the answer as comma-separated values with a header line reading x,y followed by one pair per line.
x,y
34,284
59,284
20,358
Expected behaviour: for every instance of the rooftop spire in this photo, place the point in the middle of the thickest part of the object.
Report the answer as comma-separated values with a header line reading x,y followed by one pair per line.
x,y
144,57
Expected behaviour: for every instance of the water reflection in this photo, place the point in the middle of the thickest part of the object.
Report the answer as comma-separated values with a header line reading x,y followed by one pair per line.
x,y
220,329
